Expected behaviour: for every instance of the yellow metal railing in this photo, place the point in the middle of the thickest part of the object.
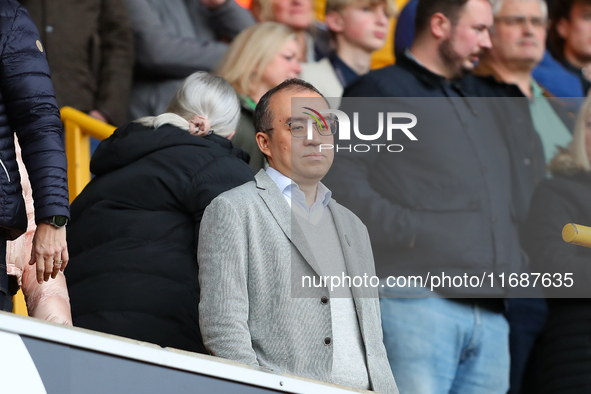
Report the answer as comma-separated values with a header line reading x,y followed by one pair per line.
x,y
79,128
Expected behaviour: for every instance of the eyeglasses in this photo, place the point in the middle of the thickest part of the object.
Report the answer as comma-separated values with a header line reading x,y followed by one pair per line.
x,y
521,21
299,127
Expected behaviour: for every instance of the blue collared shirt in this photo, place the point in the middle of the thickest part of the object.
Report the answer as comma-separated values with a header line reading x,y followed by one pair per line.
x,y
296,198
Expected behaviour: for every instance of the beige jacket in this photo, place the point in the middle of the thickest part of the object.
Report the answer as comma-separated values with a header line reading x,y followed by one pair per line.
x,y
48,301
323,77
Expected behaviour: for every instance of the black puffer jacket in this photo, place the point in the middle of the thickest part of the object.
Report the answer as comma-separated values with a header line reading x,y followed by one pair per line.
x,y
133,268
28,108
562,360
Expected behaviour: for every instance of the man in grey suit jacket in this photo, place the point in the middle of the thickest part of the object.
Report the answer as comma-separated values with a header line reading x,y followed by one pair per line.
x,y
258,258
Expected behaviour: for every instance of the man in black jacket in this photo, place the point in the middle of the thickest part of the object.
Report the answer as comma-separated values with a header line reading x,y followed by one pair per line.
x,y
29,110
445,204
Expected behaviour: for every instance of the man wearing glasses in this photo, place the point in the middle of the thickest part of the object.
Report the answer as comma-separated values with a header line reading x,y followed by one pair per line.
x,y
518,40
260,242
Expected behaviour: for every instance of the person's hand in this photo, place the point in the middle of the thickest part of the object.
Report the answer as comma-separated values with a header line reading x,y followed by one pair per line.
x,y
98,115
212,3
49,252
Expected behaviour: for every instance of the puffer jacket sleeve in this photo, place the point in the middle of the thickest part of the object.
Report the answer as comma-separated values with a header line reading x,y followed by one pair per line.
x,y
47,301
33,114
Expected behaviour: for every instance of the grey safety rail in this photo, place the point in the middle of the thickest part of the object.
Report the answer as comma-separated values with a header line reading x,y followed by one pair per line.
x,y
37,357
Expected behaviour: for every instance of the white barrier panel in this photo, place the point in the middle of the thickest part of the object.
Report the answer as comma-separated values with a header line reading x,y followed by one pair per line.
x,y
44,358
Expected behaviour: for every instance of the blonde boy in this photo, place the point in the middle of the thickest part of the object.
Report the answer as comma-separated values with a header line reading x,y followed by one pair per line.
x,y
358,28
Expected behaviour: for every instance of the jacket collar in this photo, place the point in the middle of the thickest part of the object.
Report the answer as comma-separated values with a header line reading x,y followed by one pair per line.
x,y
485,69
134,141
247,103
282,214
406,62
570,67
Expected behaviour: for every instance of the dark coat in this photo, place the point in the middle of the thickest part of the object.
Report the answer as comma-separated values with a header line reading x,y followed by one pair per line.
x,y
562,362
485,70
133,239
563,199
173,39
446,202
28,108
528,158
89,47
245,137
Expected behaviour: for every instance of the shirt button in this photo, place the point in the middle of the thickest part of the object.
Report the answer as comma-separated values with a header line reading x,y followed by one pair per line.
x,y
324,300
494,219
327,341
526,161
49,29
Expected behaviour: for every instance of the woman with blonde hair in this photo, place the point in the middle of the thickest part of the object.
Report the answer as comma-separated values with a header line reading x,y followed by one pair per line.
x,y
313,38
133,237
260,58
563,358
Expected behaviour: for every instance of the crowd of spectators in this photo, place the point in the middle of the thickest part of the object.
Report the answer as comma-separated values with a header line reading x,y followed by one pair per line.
x,y
208,199
259,59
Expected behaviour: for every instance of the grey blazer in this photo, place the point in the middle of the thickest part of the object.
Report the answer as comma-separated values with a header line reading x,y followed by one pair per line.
x,y
249,250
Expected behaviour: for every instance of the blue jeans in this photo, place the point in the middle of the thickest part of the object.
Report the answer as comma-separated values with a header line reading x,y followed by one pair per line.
x,y
3,273
438,346
526,317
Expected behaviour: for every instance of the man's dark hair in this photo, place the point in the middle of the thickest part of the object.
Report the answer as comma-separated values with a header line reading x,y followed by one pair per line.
x,y
427,8
560,10
263,116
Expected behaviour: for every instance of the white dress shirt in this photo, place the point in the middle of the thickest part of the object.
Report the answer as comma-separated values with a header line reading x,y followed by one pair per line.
x,y
296,198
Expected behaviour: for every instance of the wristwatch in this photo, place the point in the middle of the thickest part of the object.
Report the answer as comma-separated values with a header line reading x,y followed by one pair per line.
x,y
57,221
